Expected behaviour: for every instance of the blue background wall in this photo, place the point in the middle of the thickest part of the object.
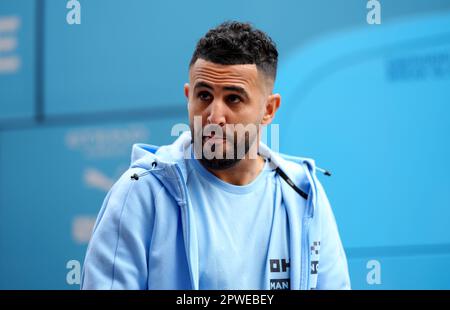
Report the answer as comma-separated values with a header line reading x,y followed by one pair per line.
x,y
369,102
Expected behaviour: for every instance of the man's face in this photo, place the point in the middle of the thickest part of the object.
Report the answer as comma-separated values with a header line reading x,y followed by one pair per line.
x,y
224,95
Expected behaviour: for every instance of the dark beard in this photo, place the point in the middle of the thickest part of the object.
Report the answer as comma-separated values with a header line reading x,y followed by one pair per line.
x,y
224,163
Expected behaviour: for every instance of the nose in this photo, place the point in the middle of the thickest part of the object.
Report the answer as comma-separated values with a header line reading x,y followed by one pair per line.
x,y
216,113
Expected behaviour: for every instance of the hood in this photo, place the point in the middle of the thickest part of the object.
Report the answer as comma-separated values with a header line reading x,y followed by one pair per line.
x,y
166,163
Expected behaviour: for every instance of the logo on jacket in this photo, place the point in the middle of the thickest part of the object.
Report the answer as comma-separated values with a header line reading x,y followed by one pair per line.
x,y
315,248
279,268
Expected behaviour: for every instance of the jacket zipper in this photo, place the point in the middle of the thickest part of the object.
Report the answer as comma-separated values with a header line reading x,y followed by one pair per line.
x,y
184,224
304,279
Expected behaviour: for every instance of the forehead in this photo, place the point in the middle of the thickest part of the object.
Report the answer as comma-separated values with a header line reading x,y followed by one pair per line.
x,y
245,76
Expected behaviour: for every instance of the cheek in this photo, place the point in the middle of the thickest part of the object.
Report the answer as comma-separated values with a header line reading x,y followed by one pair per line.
x,y
255,110
196,108
197,116
254,114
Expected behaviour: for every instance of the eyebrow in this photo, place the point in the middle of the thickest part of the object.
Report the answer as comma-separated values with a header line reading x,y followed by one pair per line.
x,y
237,89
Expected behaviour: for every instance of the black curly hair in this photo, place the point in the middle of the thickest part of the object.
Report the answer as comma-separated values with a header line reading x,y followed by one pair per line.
x,y
234,43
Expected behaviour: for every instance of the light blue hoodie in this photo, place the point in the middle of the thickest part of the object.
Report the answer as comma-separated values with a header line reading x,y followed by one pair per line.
x,y
145,235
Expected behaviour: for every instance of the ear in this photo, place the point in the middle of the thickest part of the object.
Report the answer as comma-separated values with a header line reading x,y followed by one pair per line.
x,y
272,104
186,90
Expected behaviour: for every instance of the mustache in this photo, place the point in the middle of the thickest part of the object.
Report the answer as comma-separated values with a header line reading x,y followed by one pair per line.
x,y
223,134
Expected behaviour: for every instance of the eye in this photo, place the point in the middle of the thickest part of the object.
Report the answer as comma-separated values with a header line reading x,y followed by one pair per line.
x,y
234,99
204,96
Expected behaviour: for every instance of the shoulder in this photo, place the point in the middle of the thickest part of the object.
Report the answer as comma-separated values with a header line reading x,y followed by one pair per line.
x,y
140,193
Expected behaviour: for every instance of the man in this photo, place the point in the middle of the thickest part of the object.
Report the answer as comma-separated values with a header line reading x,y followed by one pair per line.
x,y
218,209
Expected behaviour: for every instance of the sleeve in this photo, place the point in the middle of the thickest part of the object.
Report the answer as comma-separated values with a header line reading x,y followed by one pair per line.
x,y
332,270
117,253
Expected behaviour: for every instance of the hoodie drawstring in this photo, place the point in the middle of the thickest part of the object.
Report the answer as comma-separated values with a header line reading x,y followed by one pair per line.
x,y
137,176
